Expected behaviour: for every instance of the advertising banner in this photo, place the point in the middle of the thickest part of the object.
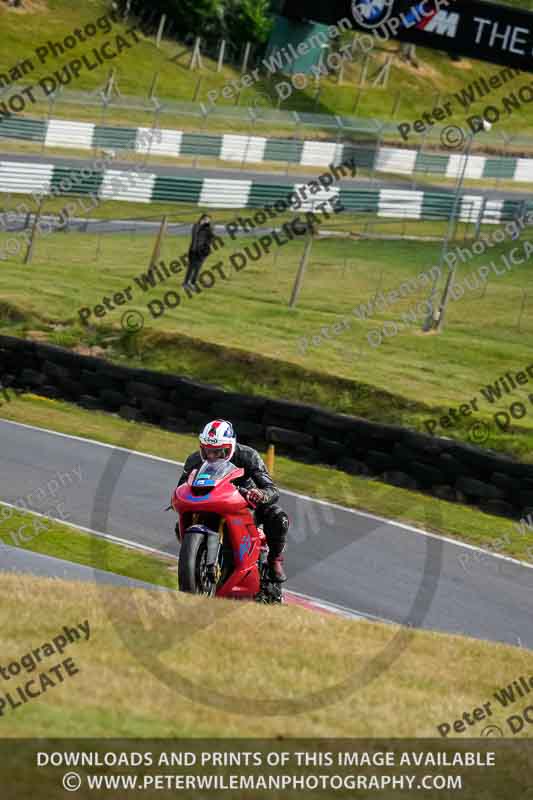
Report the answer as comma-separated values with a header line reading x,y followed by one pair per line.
x,y
473,28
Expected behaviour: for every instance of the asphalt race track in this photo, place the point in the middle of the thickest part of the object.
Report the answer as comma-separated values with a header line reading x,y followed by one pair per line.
x,y
367,565
16,560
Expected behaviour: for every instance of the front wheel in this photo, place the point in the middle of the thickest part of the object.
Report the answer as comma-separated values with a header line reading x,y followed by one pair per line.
x,y
193,575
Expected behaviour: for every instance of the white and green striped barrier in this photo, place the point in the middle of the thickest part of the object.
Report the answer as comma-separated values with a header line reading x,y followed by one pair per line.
x,y
256,149
148,187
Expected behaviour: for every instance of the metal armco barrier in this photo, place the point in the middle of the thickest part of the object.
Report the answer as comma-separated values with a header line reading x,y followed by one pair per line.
x,y
242,149
444,467
149,187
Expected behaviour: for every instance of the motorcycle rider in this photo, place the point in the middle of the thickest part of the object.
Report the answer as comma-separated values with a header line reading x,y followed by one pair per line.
x,y
218,441
202,238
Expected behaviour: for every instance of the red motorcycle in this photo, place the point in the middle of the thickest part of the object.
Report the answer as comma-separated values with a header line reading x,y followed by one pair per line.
x,y
223,553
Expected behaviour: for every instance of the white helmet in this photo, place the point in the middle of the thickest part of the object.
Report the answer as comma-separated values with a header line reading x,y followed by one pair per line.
x,y
218,440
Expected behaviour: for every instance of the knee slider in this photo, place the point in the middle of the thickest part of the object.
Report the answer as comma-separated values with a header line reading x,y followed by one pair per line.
x,y
277,520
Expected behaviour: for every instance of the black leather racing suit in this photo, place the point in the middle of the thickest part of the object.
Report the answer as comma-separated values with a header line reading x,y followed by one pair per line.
x,y
201,240
274,520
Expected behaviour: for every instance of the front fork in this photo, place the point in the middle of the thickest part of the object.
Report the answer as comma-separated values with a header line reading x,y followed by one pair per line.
x,y
263,556
214,546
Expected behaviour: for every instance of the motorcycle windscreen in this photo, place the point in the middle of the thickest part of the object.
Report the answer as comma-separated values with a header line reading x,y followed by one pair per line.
x,y
212,472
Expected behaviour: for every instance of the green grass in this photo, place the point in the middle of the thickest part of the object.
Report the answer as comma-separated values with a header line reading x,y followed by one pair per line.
x,y
418,89
425,374
51,538
467,524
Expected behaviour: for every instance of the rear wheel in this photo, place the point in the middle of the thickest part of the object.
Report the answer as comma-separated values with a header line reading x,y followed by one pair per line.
x,y
193,575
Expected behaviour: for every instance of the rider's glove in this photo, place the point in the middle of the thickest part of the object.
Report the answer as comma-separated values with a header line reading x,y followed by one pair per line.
x,y
256,496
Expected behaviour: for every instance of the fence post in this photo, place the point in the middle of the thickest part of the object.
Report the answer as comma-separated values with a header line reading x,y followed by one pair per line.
x,y
161,29
151,93
144,158
296,135
51,101
364,71
108,91
362,78
29,251
205,118
382,75
246,149
377,152
480,218
414,182
301,269
157,245
387,71
105,104
319,72
396,105
197,89
221,54
523,210
196,58
246,57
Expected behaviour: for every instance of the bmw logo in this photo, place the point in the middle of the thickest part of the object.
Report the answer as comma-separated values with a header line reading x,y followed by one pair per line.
x,y
371,13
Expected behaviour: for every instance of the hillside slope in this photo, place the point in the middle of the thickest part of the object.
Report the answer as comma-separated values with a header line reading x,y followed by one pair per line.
x,y
165,665
410,92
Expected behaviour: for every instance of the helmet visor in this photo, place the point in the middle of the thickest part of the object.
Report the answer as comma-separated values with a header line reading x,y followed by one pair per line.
x,y
215,452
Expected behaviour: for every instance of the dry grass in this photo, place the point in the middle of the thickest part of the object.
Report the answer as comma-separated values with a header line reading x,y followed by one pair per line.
x,y
29,7
162,665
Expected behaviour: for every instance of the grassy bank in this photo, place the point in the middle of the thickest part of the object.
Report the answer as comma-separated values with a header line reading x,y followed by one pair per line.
x,y
50,538
149,647
436,79
269,349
